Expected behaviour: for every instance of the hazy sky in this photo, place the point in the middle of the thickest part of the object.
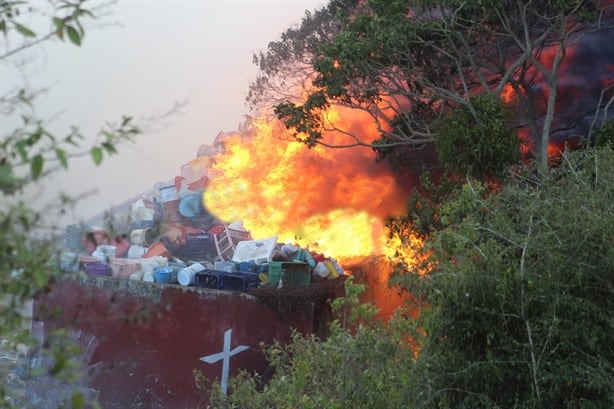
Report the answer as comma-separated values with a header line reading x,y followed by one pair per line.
x,y
165,51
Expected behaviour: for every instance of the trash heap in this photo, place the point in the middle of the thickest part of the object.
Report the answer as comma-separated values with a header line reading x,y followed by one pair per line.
x,y
169,238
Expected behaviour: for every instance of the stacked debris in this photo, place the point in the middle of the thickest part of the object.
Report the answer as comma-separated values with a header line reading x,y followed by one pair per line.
x,y
168,237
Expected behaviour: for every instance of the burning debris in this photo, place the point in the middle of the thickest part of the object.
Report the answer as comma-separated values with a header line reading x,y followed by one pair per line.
x,y
170,237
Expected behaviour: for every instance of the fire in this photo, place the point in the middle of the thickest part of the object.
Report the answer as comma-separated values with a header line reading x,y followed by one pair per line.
x,y
407,248
508,94
333,201
347,234
583,79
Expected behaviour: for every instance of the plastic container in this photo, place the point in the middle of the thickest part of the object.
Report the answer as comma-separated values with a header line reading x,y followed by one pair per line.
x,y
148,264
209,279
170,211
176,267
136,251
123,267
96,268
168,194
259,251
252,267
163,274
290,272
239,281
74,236
190,205
137,275
156,250
228,266
239,235
69,262
196,169
304,256
248,267
187,276
321,270
199,246
145,237
84,259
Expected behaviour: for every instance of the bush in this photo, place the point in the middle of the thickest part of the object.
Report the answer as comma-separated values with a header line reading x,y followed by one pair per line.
x,y
520,299
480,144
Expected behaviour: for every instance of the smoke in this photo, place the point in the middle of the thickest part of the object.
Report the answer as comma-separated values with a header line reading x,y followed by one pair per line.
x,y
586,72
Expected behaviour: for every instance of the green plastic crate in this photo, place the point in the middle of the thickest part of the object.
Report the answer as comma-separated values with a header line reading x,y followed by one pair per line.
x,y
291,273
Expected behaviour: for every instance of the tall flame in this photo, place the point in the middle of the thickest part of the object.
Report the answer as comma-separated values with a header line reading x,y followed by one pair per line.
x,y
333,201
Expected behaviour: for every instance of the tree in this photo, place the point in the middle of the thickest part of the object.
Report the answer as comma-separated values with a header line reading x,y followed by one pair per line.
x,y
286,67
479,148
410,63
28,153
518,301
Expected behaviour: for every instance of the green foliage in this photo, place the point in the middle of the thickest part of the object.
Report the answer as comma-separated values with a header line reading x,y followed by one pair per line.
x,y
423,207
307,126
520,297
364,363
67,21
286,65
605,135
407,62
31,145
481,143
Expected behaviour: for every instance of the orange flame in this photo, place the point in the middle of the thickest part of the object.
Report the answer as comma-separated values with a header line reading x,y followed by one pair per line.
x,y
508,94
407,248
333,201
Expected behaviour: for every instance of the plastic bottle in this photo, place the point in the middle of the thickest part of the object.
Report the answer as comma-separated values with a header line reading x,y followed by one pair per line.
x,y
186,276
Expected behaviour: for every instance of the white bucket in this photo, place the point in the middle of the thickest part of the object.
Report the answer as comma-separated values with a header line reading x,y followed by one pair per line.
x,y
186,275
321,270
136,251
144,237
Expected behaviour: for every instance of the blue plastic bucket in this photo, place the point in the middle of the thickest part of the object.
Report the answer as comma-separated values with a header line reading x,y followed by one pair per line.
x,y
163,274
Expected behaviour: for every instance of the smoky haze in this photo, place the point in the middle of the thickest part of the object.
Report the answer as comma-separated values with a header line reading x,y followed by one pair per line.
x,y
153,55
588,70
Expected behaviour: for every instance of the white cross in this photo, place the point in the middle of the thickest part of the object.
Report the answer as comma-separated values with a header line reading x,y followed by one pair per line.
x,y
225,356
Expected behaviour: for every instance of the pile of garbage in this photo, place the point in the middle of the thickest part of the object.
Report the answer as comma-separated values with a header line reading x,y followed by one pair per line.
x,y
169,238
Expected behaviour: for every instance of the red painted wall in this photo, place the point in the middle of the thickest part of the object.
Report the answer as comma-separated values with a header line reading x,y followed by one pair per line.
x,y
145,340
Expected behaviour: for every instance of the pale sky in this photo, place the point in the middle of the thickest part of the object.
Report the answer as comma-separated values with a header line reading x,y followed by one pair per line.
x,y
165,51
